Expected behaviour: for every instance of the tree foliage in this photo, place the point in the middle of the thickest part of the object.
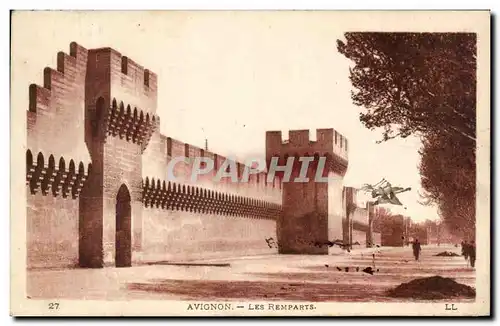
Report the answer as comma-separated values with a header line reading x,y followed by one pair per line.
x,y
424,84
381,214
414,82
448,174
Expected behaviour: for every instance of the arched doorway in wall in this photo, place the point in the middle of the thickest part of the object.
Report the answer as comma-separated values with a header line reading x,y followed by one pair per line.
x,y
123,240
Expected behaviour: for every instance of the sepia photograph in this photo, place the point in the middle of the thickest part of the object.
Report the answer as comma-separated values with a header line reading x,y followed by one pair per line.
x,y
250,163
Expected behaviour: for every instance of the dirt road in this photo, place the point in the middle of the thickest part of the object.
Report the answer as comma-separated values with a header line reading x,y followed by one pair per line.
x,y
276,277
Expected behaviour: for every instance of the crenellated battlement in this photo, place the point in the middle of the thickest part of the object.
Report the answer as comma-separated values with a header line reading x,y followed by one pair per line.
x,y
327,140
55,81
126,79
176,148
39,98
142,76
43,174
60,102
174,196
329,143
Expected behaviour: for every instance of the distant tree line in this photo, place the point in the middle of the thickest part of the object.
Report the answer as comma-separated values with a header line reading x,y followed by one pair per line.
x,y
427,232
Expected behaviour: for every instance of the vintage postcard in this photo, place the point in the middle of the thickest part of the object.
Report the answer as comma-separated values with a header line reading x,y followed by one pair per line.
x,y
250,163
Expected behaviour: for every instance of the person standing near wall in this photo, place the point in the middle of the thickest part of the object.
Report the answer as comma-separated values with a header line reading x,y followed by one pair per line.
x,y
472,253
416,249
465,251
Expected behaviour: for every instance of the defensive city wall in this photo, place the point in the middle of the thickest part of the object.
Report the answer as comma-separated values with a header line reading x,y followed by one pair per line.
x,y
99,192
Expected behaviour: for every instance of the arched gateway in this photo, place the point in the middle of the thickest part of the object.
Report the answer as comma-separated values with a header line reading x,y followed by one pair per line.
x,y
123,242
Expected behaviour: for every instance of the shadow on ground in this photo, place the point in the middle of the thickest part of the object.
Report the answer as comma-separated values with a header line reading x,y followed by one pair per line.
x,y
268,291
354,279
261,290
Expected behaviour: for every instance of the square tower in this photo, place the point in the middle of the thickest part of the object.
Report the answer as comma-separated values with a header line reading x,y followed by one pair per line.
x,y
120,107
304,225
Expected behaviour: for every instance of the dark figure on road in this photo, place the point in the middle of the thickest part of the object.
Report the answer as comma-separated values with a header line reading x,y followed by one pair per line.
x,y
465,252
416,249
472,253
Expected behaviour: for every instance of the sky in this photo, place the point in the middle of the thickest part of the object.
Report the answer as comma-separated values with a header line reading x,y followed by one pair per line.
x,y
230,77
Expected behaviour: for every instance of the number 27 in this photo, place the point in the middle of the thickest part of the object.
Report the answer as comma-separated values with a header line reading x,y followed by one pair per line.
x,y
54,305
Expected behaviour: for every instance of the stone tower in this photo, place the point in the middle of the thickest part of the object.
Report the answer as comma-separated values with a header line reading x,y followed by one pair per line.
x,y
370,239
350,205
349,202
306,223
120,107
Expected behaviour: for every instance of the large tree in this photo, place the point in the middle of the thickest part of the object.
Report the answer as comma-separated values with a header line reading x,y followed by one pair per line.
x,y
448,176
411,83
423,84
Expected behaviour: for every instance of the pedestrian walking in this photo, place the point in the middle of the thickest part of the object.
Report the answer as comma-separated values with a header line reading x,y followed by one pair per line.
x,y
416,249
